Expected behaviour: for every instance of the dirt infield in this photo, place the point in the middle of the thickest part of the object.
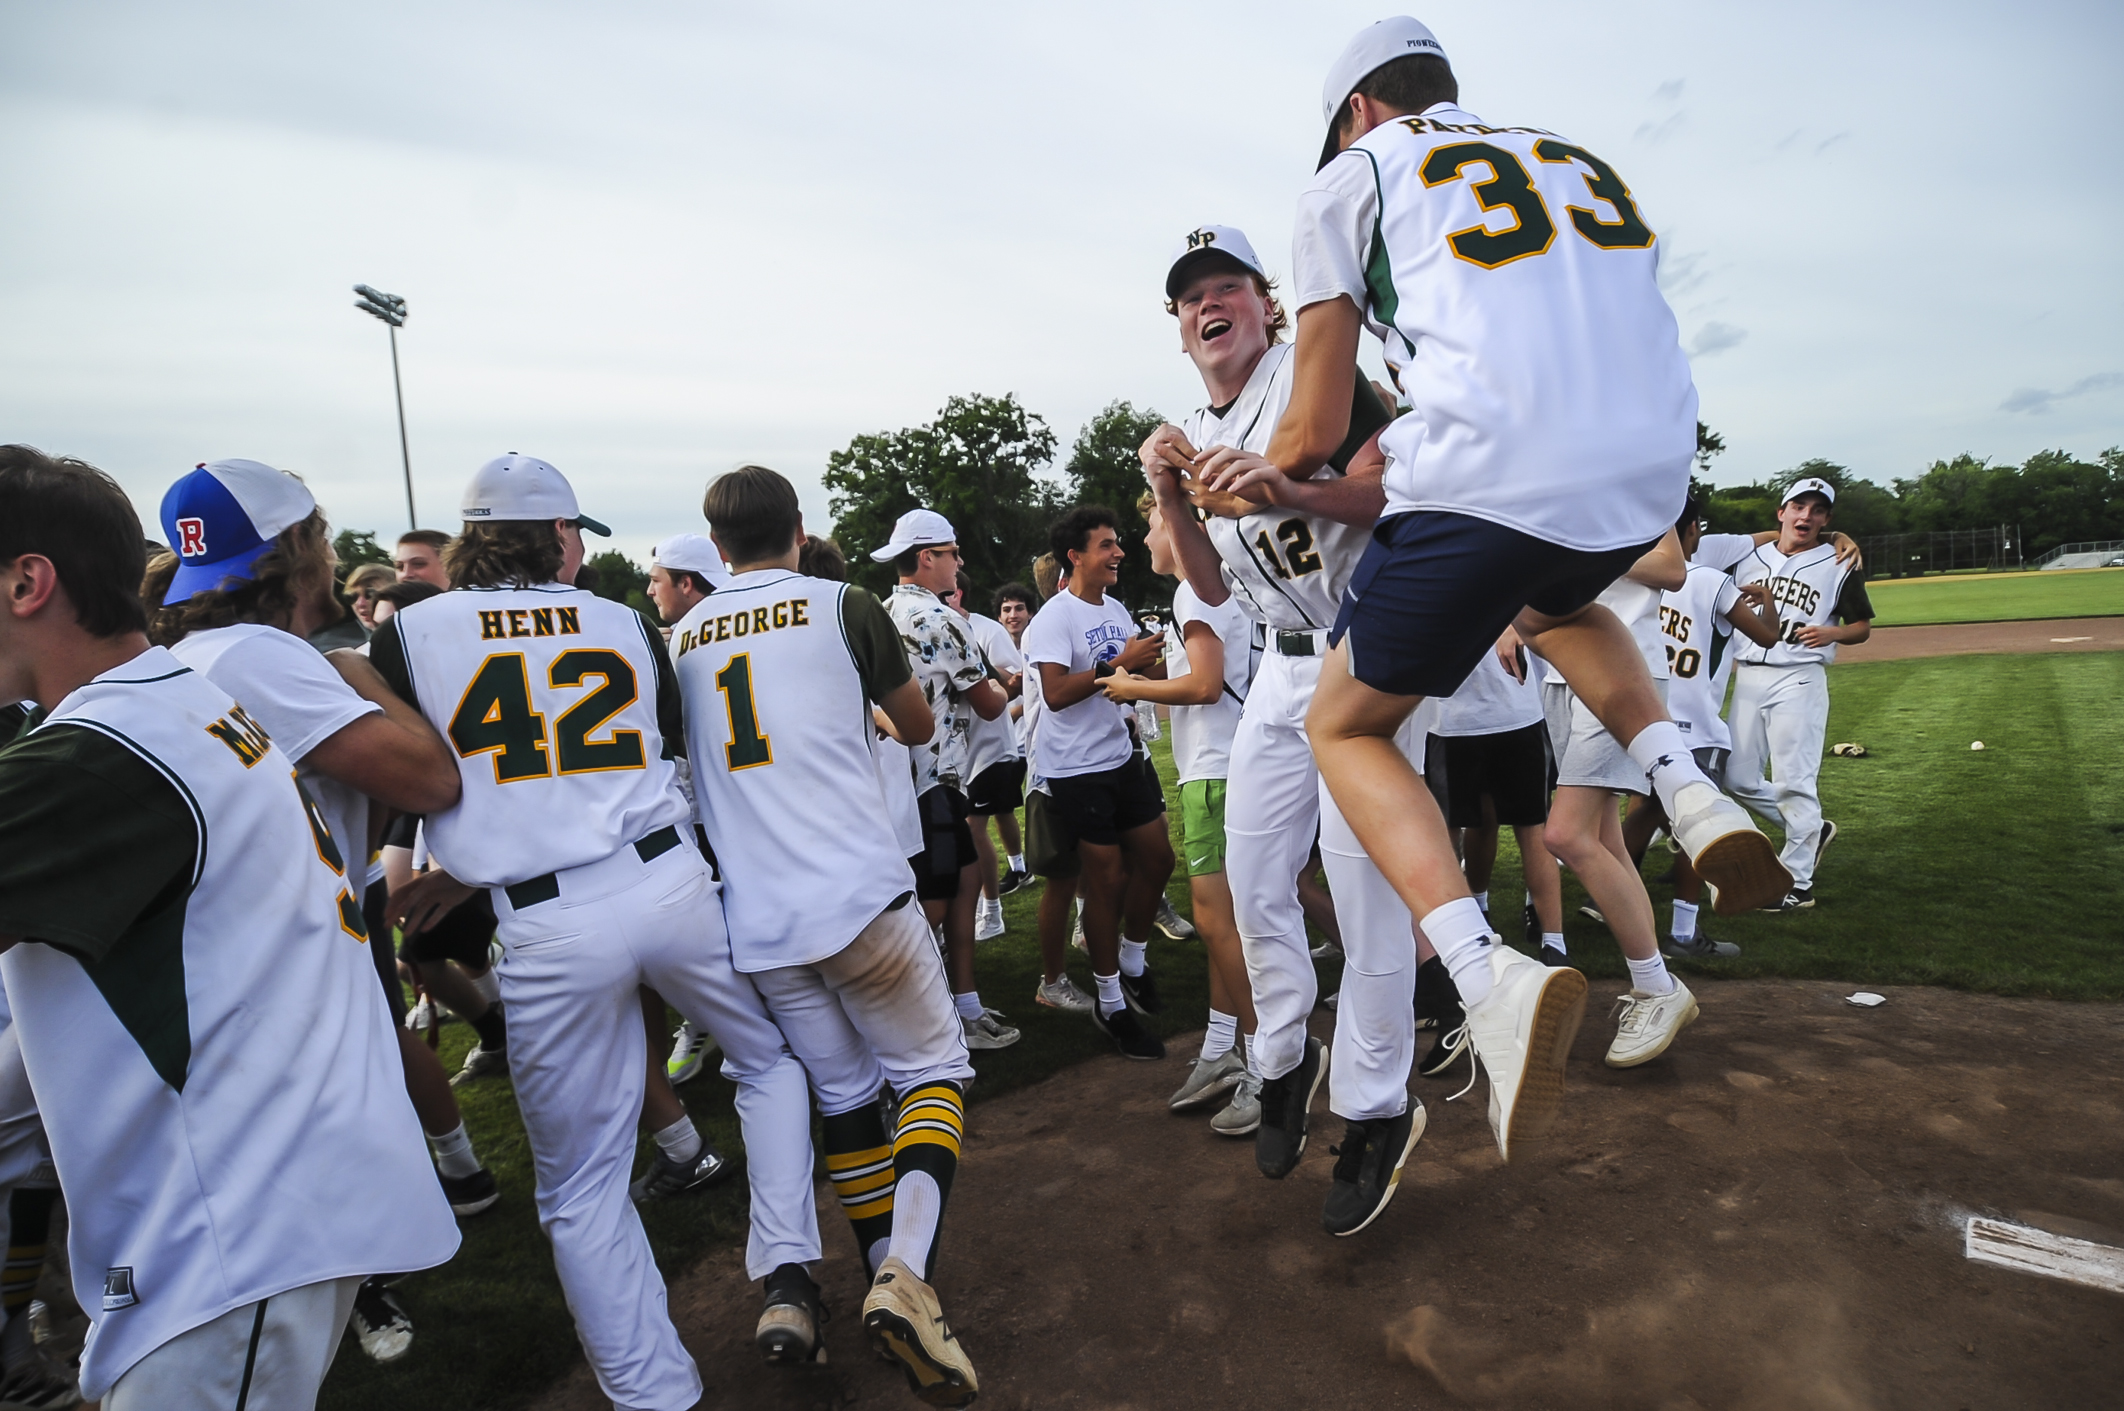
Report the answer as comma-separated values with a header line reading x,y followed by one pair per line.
x,y
2052,634
1769,1217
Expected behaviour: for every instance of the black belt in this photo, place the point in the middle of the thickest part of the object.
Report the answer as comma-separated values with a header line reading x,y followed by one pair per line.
x,y
533,890
1286,642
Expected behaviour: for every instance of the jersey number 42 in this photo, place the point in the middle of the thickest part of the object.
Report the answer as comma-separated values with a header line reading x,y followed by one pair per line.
x,y
496,717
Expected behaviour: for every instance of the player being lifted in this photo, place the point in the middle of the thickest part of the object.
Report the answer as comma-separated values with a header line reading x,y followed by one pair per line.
x,y
1511,279
1284,553
564,714
780,673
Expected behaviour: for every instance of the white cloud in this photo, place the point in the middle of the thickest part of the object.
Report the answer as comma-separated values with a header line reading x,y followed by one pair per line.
x,y
2036,401
1714,338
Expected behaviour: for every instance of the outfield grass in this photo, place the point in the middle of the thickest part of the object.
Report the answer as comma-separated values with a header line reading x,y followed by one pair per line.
x,y
1993,871
1998,597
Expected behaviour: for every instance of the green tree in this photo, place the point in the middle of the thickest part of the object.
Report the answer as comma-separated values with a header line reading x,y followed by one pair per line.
x,y
356,547
982,464
1862,507
1708,444
1104,469
622,580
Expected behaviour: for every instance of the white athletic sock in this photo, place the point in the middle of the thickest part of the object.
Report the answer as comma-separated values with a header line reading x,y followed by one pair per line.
x,y
879,1248
453,1153
488,985
1650,976
968,1004
1017,862
1554,938
681,1141
1132,957
1662,751
1223,1029
1482,899
1461,935
1684,920
1253,1060
916,1204
1110,1001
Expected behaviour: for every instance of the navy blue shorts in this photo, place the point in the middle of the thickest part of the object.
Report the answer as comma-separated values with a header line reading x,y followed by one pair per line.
x,y
1434,591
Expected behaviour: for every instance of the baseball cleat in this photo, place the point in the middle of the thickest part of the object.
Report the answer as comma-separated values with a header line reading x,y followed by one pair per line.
x,y
1170,923
1728,850
989,1031
1698,947
789,1325
1372,1155
468,1195
667,1179
1141,992
1208,1079
481,1062
1129,1036
689,1050
1522,1032
907,1326
1062,994
1242,1115
1649,1023
1286,1103
380,1323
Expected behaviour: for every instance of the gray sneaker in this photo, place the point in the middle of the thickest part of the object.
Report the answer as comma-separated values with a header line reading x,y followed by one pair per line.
x,y
1208,1079
1243,1113
1170,923
1063,994
1698,947
667,1179
988,1031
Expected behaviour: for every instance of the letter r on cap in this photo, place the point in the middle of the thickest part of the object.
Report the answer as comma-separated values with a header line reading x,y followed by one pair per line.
x,y
191,538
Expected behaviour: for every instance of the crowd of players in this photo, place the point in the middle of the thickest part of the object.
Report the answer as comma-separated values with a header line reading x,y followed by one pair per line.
x,y
235,776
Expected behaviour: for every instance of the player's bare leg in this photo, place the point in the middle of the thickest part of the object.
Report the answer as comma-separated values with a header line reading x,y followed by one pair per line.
x,y
1598,656
1147,851
1057,899
985,850
1544,886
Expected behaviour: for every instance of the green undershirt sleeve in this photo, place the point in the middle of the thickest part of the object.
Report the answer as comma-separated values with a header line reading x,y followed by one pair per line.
x,y
874,642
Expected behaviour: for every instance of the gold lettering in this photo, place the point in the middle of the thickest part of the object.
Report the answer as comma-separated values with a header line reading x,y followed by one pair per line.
x,y
517,624
797,609
740,624
490,626
542,622
781,614
759,620
570,622
722,628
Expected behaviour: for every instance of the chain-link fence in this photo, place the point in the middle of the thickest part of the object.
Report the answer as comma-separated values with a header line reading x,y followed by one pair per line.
x,y
1942,551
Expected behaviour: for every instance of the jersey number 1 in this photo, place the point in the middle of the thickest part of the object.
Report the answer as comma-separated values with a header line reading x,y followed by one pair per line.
x,y
748,748
496,717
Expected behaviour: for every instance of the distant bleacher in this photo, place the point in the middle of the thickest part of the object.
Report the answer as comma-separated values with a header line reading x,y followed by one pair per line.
x,y
2087,555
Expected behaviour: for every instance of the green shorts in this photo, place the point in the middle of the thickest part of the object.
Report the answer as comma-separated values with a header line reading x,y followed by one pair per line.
x,y
1202,826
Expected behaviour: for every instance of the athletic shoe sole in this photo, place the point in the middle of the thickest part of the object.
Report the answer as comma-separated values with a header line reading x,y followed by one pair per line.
x,y
1828,837
1206,1095
891,1317
1557,1015
1688,1017
1744,873
787,1334
1418,1121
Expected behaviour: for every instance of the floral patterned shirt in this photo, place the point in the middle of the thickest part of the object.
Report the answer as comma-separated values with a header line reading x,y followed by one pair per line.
x,y
948,662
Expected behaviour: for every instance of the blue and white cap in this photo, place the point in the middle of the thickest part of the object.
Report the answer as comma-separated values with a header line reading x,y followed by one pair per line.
x,y
223,516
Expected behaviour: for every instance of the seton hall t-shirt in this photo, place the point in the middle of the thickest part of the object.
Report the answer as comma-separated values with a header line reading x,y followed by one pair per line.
x,y
1091,735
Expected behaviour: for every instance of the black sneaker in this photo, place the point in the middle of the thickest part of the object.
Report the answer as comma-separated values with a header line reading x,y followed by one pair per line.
x,y
1280,1139
1532,927
1128,1035
1447,1051
1141,992
468,1195
1552,957
380,1323
1372,1154
1011,883
666,1179
1828,837
789,1325
1437,997
1798,899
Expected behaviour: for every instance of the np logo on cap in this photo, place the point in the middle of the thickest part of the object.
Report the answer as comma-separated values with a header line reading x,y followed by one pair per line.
x,y
1811,486
1207,245
222,518
523,487
916,529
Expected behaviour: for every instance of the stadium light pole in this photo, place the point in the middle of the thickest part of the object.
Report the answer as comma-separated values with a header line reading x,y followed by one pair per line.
x,y
392,310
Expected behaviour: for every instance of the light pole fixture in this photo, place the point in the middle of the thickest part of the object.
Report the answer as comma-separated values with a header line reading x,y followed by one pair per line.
x,y
392,310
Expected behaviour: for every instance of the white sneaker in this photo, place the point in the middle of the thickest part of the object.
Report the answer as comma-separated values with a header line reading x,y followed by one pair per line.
x,y
988,1031
1648,1024
1170,923
1522,1032
423,1014
1076,934
988,920
1728,851
689,1050
1063,994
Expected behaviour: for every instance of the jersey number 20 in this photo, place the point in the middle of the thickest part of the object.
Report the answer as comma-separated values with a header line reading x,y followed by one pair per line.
x,y
496,716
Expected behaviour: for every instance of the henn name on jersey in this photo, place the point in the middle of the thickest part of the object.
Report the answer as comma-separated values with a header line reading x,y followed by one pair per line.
x,y
790,612
529,622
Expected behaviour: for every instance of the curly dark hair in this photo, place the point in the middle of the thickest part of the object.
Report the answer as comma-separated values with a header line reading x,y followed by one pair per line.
x,y
523,553
297,569
1072,531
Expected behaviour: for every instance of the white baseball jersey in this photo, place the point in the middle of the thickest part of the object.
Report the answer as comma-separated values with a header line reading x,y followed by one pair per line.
x,y
1810,589
199,1016
1512,280
290,689
1202,735
991,742
1091,735
564,714
1699,638
778,672
1287,569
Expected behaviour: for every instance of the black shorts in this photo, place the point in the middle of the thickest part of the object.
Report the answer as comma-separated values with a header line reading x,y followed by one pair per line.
x,y
462,935
1434,591
1049,852
997,789
947,844
372,916
1510,769
1099,808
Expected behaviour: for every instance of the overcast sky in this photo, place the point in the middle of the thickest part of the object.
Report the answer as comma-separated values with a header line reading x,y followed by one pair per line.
x,y
652,241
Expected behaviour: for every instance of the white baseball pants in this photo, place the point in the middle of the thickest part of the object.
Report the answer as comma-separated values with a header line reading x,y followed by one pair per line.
x,y
570,974
879,1009
1273,804
266,1356
1780,716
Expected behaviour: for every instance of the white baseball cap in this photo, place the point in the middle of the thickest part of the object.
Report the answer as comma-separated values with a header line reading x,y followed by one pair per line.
x,y
223,516
692,553
1819,487
1208,242
1373,47
916,529
523,487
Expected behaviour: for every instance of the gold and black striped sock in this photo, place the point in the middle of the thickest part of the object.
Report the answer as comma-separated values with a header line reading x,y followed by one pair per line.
x,y
859,1162
932,1123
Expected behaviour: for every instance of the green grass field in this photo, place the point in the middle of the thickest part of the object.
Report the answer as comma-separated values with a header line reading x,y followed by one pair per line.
x,y
1992,871
1998,597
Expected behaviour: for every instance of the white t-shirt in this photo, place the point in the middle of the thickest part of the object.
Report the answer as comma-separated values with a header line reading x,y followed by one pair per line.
x,y
1699,641
1722,551
993,741
1091,735
1638,607
1490,702
290,689
1514,286
1202,735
